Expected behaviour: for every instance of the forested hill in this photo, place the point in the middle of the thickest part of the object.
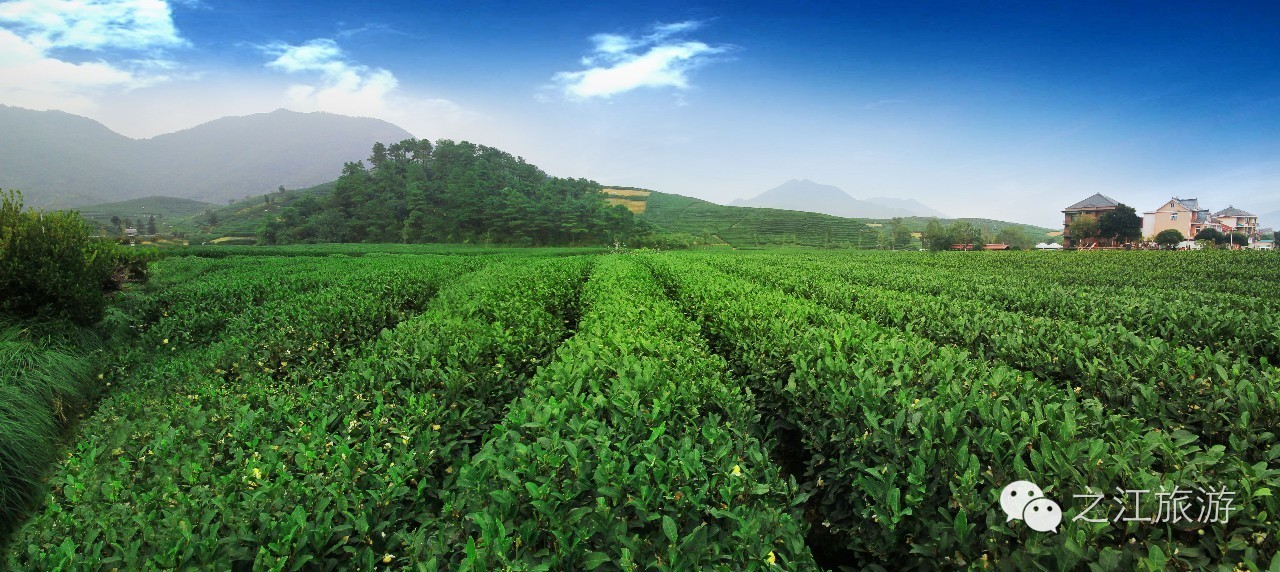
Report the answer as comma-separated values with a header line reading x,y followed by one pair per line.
x,y
414,191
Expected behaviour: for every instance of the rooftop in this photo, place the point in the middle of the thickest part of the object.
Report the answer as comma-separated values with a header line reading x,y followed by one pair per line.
x,y
1190,204
1098,200
1233,211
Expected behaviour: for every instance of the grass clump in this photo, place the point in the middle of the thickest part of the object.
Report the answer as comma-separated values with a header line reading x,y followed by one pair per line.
x,y
46,374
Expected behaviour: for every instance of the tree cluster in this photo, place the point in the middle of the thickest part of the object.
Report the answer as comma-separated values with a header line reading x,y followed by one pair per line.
x,y
415,192
938,236
1219,238
897,236
1120,225
122,223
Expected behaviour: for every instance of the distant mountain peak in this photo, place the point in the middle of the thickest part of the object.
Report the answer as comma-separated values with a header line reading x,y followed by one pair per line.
x,y
809,196
226,158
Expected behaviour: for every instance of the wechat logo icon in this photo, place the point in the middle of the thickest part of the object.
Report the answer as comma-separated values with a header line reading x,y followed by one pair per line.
x,y
1023,500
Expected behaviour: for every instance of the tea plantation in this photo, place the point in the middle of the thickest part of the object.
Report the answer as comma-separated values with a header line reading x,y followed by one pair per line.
x,y
434,408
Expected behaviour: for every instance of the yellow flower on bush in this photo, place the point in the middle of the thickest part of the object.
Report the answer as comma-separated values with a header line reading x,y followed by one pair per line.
x,y
166,340
737,471
772,558
257,473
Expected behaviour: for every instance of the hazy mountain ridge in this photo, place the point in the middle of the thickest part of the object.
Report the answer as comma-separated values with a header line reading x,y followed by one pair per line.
x,y
910,205
808,196
1269,220
62,160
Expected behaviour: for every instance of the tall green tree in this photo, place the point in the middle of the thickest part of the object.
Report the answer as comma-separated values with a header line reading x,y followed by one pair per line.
x,y
1015,237
1084,228
965,233
1121,225
1212,235
935,236
900,236
151,225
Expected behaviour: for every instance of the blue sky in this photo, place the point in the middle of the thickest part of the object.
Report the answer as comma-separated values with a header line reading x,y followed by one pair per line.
x,y
1005,109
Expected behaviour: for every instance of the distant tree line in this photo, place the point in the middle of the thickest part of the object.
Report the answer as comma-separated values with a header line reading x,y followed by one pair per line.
x,y
1219,238
122,223
415,192
962,233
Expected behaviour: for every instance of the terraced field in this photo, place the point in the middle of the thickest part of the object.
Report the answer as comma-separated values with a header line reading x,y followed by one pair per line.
x,y
432,409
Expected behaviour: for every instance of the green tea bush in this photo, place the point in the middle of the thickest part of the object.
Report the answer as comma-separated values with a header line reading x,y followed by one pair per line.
x,y
905,441
49,265
632,449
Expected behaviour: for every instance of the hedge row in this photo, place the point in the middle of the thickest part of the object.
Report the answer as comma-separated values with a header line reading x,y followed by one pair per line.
x,y
633,448
199,452
907,444
1217,395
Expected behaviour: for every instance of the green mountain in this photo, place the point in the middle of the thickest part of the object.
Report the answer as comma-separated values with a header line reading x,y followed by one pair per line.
x,y
416,191
60,160
712,224
170,213
160,207
241,221
689,220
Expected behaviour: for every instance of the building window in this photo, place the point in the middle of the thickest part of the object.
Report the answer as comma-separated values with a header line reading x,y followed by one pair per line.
x,y
1173,216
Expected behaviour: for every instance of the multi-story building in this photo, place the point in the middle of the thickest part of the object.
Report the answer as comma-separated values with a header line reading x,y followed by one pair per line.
x,y
1232,219
1185,215
1094,206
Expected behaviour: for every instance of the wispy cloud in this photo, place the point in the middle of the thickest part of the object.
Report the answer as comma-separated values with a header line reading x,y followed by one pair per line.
x,y
343,86
620,63
347,31
38,37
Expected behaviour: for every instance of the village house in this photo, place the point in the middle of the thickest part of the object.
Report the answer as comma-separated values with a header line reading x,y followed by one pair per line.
x,y
1094,206
1183,215
1187,217
1266,240
1232,219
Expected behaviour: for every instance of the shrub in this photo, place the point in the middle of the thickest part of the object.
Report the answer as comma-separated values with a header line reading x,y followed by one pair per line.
x,y
49,265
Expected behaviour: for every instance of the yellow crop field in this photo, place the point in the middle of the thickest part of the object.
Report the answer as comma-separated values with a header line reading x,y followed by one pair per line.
x,y
625,192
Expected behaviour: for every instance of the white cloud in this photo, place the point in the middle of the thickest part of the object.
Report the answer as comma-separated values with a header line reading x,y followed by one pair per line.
x,y
622,63
33,34
93,24
343,86
349,88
